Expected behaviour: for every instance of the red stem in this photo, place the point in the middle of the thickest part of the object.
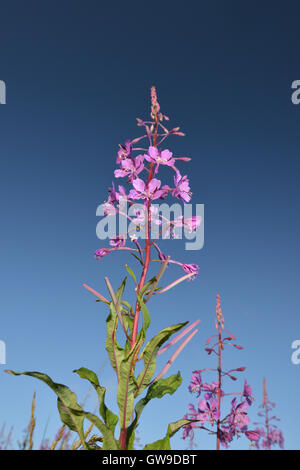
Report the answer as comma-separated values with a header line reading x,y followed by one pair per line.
x,y
123,434
219,383
265,403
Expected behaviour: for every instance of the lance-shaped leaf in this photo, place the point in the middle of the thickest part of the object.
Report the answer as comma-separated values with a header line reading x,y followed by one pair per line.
x,y
164,444
147,286
140,261
127,383
66,403
115,352
156,390
116,299
129,270
157,278
110,419
149,355
145,311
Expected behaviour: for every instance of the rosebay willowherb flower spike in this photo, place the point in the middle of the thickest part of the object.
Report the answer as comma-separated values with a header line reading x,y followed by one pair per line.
x,y
270,435
139,168
210,413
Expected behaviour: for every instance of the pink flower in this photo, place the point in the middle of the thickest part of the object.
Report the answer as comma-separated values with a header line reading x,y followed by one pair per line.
x,y
101,252
192,222
130,167
238,416
150,190
253,435
124,151
160,157
208,410
191,268
182,188
247,392
115,196
118,241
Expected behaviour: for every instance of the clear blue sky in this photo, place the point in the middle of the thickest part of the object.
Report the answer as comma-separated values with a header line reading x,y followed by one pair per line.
x,y
77,75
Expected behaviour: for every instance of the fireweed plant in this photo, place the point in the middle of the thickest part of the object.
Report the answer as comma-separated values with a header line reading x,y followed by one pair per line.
x,y
270,435
209,413
141,173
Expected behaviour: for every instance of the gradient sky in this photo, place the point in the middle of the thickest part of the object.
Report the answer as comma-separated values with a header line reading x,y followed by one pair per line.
x,y
77,75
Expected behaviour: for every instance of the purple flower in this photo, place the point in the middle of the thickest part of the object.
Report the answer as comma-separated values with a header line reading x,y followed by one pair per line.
x,y
141,215
109,209
195,385
124,151
253,435
192,222
226,435
130,167
164,157
191,269
149,190
247,392
115,196
182,188
238,417
211,390
187,429
118,241
208,411
161,255
102,252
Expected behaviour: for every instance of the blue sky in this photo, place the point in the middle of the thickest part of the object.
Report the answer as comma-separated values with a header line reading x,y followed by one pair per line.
x,y
77,76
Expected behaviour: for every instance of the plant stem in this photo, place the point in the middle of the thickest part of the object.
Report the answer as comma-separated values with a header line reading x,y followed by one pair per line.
x,y
219,381
265,403
123,434
148,250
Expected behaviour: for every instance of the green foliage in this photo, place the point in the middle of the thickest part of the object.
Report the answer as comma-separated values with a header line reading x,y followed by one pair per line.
x,y
150,352
66,403
109,418
164,444
156,390
123,360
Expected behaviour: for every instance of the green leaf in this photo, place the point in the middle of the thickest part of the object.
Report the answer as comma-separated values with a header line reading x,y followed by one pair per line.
x,y
127,383
128,306
66,403
129,270
162,386
110,419
136,257
146,315
164,444
146,286
115,352
157,390
161,444
120,290
150,352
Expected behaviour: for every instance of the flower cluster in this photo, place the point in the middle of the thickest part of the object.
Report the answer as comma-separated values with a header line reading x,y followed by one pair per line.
x,y
207,414
139,167
270,435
